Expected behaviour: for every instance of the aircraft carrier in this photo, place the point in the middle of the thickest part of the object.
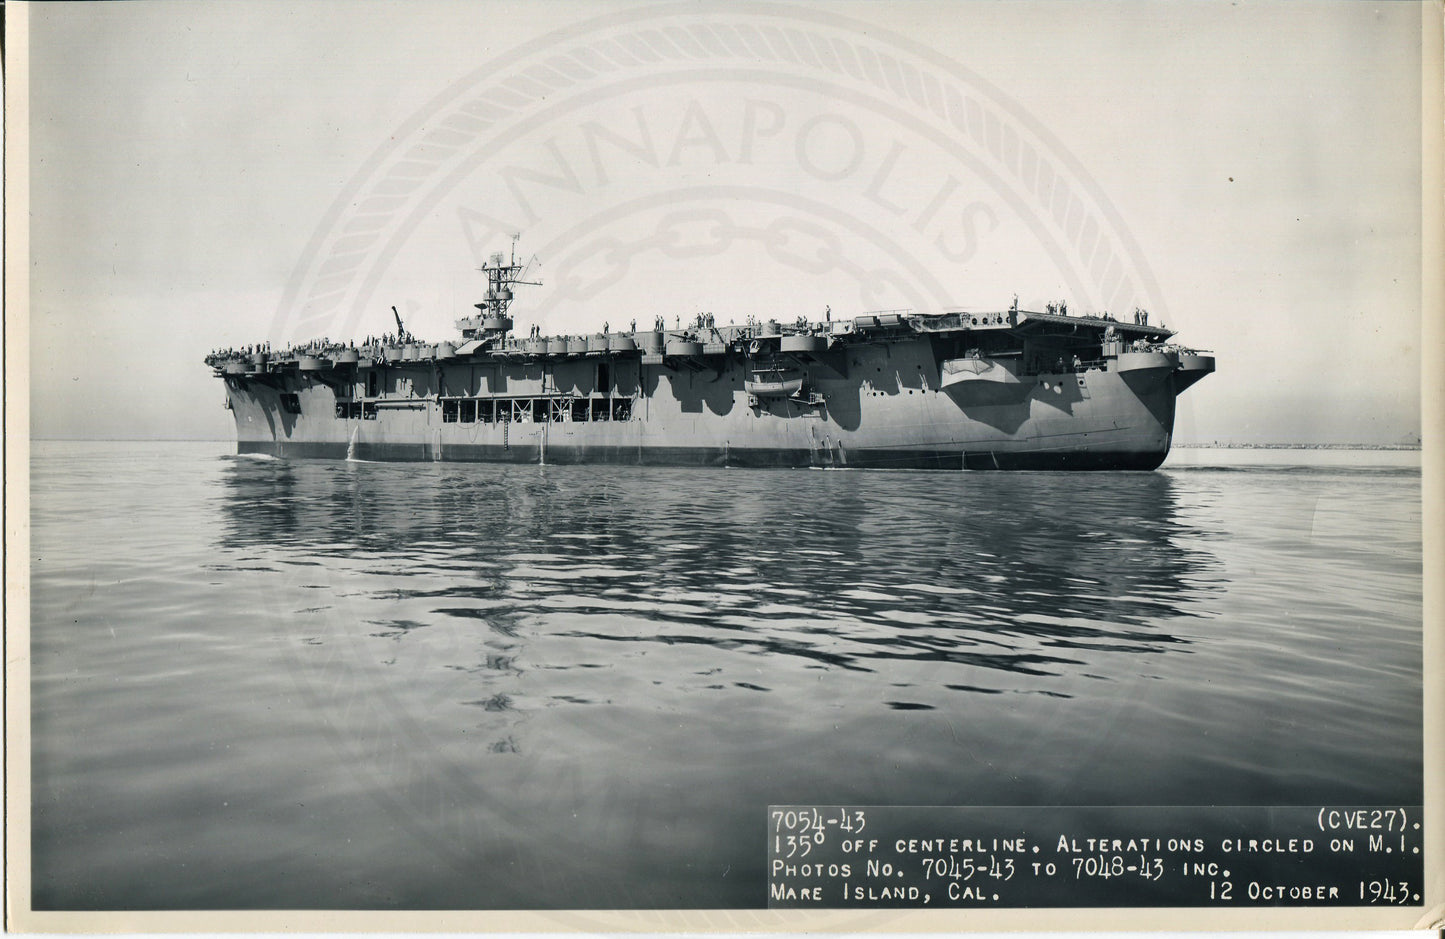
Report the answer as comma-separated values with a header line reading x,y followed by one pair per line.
x,y
1011,389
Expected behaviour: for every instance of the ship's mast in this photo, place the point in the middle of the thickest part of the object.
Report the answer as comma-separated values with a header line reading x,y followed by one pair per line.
x,y
501,275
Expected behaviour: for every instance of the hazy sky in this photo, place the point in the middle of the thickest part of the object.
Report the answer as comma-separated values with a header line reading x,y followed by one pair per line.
x,y
214,174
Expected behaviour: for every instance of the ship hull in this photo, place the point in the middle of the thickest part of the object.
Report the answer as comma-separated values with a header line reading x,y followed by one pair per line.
x,y
887,406
749,458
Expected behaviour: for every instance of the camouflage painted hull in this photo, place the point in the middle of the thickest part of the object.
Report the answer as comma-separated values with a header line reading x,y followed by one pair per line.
x,y
920,397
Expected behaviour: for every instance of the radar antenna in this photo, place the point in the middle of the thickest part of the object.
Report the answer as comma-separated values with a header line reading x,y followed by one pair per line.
x,y
502,274
522,277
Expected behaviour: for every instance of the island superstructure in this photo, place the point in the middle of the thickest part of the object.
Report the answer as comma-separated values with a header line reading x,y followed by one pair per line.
x,y
1010,389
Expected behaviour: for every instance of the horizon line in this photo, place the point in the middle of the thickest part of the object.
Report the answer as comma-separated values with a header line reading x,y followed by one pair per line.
x,y
1190,445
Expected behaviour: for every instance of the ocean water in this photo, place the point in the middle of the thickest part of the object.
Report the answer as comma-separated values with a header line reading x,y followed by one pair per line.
x,y
259,683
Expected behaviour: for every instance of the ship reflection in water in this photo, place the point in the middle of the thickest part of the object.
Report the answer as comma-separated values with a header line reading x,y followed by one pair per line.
x,y
850,570
660,653
443,686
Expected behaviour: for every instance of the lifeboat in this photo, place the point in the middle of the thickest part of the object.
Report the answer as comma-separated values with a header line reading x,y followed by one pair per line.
x,y
773,383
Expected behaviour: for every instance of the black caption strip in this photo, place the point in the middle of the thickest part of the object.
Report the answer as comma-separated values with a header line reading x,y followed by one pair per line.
x,y
1092,856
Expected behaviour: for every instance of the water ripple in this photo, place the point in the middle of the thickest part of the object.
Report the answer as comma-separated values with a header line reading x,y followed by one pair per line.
x,y
272,679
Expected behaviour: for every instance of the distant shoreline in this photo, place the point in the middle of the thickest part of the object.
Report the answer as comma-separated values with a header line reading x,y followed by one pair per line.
x,y
1176,446
1296,446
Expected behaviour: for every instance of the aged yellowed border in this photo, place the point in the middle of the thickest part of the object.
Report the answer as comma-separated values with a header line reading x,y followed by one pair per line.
x,y
1432,425
19,917
17,465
